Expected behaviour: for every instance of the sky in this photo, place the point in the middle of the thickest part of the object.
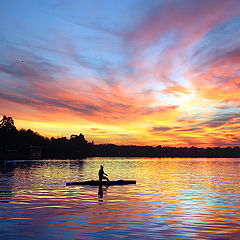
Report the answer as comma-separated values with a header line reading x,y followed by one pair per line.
x,y
129,72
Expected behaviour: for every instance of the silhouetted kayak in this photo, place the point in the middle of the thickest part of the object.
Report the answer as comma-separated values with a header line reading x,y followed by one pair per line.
x,y
97,183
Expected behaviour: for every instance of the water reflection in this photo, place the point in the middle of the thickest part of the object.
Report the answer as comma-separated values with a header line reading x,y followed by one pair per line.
x,y
173,199
6,173
101,191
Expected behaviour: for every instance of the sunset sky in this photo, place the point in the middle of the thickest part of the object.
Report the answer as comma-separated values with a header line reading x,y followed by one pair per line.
x,y
164,72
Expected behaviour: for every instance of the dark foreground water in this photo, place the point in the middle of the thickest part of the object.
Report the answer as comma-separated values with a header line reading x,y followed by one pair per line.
x,y
174,198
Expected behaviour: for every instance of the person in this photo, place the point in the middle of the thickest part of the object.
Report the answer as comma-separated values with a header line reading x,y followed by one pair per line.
x,y
101,174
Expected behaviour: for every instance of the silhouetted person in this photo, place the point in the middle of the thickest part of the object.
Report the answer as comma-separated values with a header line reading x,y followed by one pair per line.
x,y
101,174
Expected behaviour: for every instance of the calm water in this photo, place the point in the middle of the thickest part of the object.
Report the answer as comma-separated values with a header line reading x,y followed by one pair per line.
x,y
174,198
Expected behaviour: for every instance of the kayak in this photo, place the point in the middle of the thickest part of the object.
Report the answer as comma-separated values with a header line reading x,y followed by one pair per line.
x,y
97,183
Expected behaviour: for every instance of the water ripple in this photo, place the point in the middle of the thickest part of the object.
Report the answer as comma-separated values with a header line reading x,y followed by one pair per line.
x,y
173,199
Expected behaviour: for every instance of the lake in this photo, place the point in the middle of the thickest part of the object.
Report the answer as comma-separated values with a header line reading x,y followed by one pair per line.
x,y
174,198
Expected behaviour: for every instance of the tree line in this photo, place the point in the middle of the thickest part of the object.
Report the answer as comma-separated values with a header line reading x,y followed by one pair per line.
x,y
27,144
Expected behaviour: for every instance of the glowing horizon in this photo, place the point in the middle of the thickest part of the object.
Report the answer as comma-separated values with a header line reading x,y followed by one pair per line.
x,y
129,72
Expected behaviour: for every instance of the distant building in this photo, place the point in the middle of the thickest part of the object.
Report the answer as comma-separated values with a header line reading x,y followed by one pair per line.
x,y
35,152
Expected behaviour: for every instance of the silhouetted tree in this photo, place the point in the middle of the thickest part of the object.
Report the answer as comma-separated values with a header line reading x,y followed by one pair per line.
x,y
8,135
7,124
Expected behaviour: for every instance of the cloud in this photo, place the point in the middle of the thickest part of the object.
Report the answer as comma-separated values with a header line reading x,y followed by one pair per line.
x,y
173,15
175,89
189,129
221,119
42,85
162,43
160,129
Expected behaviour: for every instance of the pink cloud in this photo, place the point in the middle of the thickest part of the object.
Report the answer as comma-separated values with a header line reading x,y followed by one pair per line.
x,y
186,23
190,19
